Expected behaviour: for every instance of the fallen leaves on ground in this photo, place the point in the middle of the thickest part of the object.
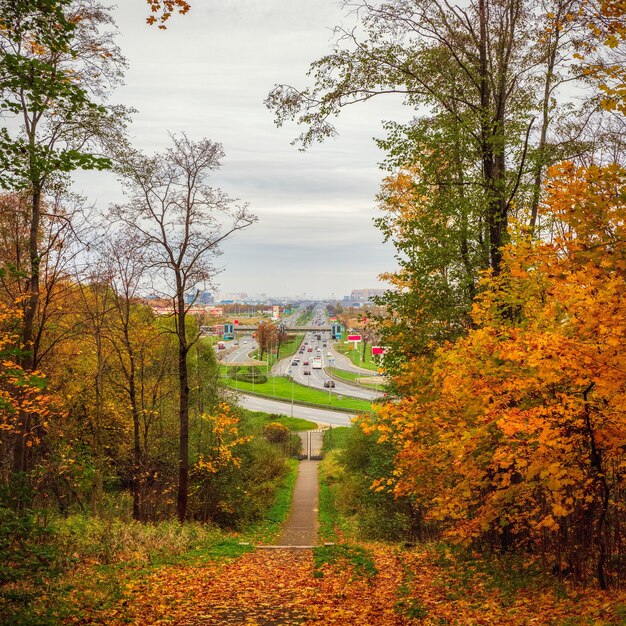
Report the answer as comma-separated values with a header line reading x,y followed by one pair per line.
x,y
281,587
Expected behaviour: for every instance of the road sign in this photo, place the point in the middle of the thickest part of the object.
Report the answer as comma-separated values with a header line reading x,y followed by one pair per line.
x,y
236,322
378,350
354,337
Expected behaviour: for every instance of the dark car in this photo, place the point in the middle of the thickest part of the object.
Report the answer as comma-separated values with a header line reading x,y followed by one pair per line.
x,y
307,372
329,383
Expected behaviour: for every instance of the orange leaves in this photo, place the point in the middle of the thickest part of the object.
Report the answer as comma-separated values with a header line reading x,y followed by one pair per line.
x,y
521,423
162,10
261,587
427,586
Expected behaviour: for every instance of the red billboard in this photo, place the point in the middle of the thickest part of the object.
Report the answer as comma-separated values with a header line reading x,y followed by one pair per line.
x,y
354,337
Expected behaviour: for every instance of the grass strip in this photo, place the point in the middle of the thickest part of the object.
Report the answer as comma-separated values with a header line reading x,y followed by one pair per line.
x,y
356,355
268,529
280,387
258,419
357,557
353,377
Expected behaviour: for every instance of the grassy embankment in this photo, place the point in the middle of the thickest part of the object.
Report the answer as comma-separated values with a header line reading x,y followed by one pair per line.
x,y
258,419
353,377
282,388
356,355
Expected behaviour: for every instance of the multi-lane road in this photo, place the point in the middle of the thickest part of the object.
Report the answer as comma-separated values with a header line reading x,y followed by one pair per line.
x,y
316,344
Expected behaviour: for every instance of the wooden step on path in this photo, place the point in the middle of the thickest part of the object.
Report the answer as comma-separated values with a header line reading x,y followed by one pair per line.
x,y
264,546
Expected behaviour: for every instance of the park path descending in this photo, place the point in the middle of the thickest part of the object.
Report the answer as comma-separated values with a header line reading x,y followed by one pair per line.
x,y
301,526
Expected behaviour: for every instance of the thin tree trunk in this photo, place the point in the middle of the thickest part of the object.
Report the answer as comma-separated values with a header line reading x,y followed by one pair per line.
x,y
547,89
20,452
183,411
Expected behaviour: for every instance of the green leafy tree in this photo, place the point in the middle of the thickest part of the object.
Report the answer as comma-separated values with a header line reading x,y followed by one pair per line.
x,y
58,61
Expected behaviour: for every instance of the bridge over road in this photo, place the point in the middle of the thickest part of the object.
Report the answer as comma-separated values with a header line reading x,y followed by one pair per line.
x,y
297,329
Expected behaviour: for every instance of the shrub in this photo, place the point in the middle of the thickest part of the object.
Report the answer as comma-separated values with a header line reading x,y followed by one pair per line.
x,y
295,445
248,375
276,433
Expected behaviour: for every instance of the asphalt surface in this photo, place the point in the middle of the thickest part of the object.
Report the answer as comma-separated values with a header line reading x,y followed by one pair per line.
x,y
300,529
320,416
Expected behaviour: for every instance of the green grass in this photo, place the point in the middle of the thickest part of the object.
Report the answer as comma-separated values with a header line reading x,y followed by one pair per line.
x,y
357,557
327,515
353,377
335,438
280,387
268,529
343,374
355,356
258,419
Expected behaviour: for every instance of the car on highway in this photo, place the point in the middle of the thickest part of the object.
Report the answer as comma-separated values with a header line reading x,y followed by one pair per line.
x,y
329,383
295,362
306,363
310,350
307,372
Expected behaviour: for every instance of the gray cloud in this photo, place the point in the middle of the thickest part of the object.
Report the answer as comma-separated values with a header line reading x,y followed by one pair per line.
x,y
208,75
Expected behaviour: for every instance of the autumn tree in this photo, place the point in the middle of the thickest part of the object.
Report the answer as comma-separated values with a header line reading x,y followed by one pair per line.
x,y
514,435
476,68
20,390
58,62
181,222
269,336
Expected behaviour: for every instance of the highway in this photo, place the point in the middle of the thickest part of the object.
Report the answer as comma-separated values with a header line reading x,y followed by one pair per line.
x,y
239,353
299,366
321,416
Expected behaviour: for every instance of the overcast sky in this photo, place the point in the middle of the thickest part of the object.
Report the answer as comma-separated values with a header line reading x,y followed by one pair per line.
x,y
208,75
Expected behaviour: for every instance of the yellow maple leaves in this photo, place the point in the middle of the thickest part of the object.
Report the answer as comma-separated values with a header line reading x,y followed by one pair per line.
x,y
515,433
225,438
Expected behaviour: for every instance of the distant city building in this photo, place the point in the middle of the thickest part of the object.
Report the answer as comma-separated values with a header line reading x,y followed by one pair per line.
x,y
163,307
201,297
365,295
231,298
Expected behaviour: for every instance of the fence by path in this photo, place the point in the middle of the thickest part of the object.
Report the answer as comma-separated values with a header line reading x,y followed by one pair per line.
x,y
311,444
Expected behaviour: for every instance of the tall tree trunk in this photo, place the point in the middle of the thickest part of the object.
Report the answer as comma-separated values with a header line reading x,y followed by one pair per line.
x,y
541,157
137,460
183,410
20,452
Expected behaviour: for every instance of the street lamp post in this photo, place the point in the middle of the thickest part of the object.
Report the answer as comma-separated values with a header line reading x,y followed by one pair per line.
x,y
291,392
